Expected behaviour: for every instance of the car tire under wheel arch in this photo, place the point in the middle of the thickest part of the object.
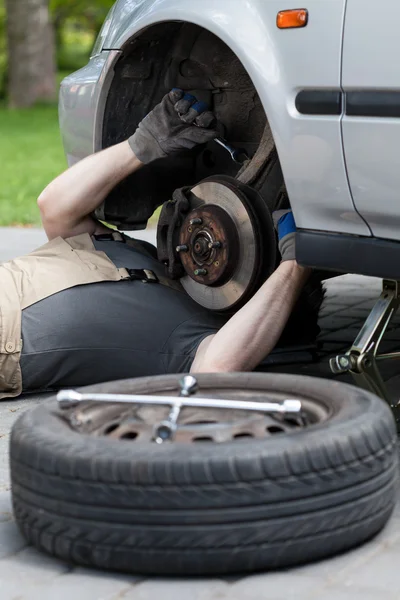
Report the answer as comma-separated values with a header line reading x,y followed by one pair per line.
x,y
176,508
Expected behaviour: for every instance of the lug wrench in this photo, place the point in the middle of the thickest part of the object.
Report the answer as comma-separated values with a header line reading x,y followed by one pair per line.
x,y
165,431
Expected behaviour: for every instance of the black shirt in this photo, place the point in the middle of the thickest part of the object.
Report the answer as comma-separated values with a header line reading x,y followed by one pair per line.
x,y
112,330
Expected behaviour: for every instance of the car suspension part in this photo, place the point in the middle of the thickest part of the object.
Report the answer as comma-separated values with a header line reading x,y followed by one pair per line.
x,y
361,361
218,238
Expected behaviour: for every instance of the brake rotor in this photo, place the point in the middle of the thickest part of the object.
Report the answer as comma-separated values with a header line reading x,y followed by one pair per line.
x,y
227,244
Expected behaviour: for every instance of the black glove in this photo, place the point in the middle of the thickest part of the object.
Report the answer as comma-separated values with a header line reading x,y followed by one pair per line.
x,y
178,123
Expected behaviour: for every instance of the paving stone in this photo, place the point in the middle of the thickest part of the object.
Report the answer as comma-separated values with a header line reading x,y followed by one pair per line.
x,y
347,335
381,573
180,589
11,541
31,567
4,476
338,322
285,585
334,570
15,241
10,590
80,584
5,507
353,592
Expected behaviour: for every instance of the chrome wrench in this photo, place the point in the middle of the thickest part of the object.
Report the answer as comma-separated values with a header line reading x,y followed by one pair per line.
x,y
238,155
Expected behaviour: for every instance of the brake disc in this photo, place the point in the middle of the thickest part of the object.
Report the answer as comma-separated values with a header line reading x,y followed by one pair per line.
x,y
227,244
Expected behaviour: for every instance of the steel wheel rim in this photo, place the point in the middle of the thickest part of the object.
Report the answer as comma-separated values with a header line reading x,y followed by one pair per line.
x,y
136,422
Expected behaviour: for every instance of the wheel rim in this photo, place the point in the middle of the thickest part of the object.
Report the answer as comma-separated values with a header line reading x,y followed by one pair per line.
x,y
136,422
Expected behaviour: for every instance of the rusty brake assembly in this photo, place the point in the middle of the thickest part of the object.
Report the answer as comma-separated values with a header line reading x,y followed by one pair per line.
x,y
218,238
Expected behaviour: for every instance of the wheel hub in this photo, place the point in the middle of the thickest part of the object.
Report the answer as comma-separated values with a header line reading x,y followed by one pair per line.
x,y
227,244
210,240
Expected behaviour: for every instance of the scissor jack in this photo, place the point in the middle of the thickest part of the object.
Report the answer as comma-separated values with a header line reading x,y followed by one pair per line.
x,y
362,358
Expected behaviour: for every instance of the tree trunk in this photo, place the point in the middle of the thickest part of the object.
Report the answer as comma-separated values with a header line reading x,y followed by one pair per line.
x,y
31,53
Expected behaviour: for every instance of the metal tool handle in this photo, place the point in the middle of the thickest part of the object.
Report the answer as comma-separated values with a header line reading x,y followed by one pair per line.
x,y
71,398
238,155
166,430
188,385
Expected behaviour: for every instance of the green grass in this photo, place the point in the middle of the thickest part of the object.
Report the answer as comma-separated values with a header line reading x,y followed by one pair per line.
x,y
31,155
31,152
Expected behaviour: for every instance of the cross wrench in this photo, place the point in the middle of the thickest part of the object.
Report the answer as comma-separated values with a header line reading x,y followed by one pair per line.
x,y
165,430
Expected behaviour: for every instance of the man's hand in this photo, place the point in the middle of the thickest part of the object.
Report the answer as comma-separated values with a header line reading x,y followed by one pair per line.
x,y
286,228
178,123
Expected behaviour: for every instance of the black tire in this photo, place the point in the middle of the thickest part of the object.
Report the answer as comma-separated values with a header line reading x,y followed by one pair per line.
x,y
208,508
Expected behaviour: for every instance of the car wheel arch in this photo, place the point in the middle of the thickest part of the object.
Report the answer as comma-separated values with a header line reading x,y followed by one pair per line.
x,y
181,54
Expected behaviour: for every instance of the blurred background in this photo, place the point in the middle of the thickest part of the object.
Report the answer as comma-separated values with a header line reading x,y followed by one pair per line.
x,y
41,41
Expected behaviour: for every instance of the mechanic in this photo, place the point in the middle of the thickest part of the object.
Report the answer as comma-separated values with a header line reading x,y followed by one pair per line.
x,y
56,330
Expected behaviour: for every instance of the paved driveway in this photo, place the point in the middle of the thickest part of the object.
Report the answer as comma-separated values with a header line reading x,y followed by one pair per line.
x,y
368,573
15,241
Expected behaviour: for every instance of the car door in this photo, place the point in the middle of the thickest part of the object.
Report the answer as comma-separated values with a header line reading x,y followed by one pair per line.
x,y
371,123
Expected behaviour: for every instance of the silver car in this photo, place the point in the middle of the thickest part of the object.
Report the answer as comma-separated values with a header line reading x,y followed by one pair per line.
x,y
310,95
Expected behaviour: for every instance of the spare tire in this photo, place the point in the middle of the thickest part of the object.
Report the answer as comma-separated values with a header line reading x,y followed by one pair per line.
x,y
259,501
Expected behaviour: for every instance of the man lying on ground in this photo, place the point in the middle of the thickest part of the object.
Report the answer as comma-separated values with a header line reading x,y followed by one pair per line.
x,y
76,312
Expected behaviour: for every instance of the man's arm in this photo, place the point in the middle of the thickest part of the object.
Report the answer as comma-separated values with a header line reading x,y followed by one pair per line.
x,y
67,202
250,335
178,123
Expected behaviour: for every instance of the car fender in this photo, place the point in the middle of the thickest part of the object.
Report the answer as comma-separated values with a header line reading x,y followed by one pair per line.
x,y
281,63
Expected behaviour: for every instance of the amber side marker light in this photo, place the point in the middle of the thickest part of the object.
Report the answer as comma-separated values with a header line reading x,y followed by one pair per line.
x,y
288,19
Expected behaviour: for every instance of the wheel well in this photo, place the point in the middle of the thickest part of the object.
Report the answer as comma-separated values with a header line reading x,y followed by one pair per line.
x,y
176,54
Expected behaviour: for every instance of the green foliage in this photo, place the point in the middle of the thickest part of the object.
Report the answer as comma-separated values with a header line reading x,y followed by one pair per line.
x,y
76,24
74,52
3,56
31,155
31,152
86,9
86,14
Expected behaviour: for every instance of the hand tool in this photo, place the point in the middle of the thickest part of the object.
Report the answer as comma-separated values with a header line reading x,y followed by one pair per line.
x,y
71,398
238,155
188,386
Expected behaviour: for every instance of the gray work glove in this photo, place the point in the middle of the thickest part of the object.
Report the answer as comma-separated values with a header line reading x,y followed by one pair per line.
x,y
286,228
178,123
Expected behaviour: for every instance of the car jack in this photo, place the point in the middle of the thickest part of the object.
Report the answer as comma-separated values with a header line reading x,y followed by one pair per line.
x,y
362,358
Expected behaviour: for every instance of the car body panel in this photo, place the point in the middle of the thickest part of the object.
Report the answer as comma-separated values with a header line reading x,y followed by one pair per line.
x,y
81,103
280,64
372,144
